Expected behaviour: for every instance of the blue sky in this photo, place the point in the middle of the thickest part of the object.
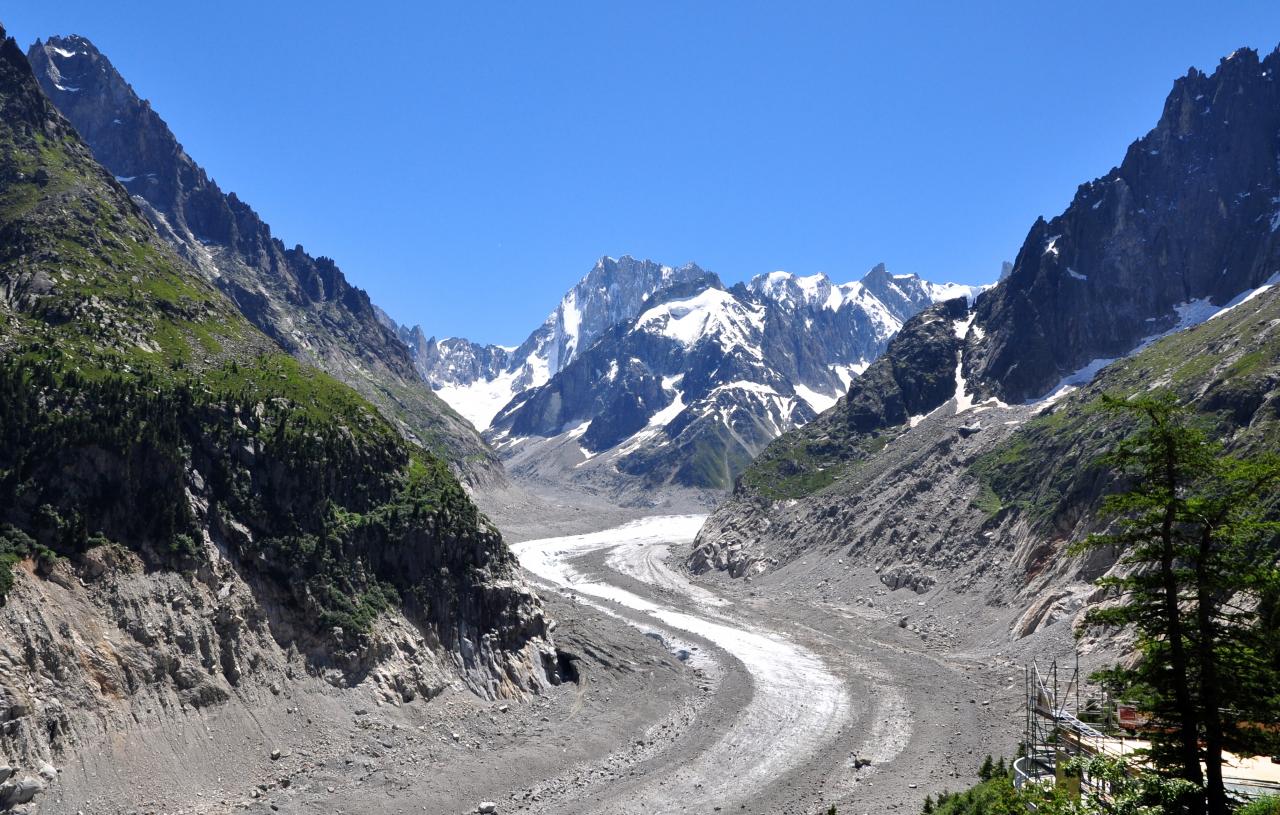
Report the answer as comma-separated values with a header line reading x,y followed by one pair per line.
x,y
468,162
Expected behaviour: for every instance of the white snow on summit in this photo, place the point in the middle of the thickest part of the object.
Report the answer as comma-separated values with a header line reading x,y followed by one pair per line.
x,y
710,313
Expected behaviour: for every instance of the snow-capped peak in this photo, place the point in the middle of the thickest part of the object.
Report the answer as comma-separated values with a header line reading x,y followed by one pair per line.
x,y
788,289
796,339
712,313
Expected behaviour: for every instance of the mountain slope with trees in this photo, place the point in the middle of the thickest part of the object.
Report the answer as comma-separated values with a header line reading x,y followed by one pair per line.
x,y
213,516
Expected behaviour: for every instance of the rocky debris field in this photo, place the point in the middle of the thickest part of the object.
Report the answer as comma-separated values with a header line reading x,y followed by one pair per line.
x,y
314,749
929,682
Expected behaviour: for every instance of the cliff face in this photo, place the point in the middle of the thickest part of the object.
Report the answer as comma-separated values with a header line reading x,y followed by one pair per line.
x,y
304,303
189,517
1191,214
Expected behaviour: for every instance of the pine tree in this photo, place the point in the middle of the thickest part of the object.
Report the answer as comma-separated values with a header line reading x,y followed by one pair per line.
x,y
988,767
1199,557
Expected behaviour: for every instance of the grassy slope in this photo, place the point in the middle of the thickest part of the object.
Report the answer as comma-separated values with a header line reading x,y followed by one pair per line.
x,y
811,458
1227,368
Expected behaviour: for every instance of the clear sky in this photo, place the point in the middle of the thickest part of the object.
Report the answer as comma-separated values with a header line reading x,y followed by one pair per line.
x,y
467,162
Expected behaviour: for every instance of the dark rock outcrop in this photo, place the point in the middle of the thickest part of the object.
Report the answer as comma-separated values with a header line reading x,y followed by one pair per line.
x,y
915,376
1192,213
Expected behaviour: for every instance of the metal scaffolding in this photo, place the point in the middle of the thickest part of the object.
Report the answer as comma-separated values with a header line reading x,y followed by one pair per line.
x,y
1054,733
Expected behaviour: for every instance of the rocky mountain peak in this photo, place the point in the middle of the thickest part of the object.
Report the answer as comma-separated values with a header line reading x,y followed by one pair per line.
x,y
479,379
790,289
877,275
703,377
902,294
1118,266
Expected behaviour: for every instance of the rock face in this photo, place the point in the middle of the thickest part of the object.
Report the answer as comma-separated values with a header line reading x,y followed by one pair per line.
x,y
650,375
455,360
302,302
1192,215
190,517
941,464
915,376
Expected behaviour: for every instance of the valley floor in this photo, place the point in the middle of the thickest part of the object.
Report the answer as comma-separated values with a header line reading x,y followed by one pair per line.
x,y
695,695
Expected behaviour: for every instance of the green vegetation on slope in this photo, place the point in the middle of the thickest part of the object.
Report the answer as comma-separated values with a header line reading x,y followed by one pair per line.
x,y
139,408
1227,369
807,460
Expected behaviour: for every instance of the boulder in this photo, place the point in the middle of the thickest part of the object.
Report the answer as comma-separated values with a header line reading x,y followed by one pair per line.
x,y
13,793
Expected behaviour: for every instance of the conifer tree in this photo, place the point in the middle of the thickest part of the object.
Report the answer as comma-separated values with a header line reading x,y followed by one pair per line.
x,y
1198,558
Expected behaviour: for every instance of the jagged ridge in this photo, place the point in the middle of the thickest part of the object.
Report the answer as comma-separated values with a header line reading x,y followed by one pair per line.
x,y
304,303
1191,214
704,377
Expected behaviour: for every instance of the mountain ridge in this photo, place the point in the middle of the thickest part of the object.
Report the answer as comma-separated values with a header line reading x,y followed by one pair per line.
x,y
700,377
304,303
190,518
1190,215
964,457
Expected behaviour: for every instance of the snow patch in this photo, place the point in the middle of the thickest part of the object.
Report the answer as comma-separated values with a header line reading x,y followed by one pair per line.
x,y
1245,297
576,433
744,385
941,292
481,400
665,416
571,319
820,402
710,313
847,373
964,399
